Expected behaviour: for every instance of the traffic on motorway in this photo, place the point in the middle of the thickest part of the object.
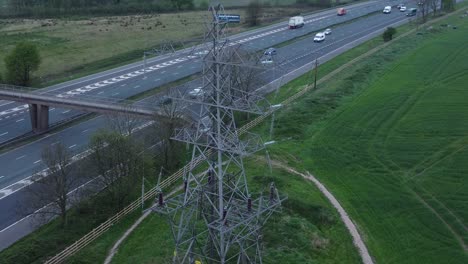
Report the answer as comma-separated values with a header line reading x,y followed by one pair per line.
x,y
134,79
20,163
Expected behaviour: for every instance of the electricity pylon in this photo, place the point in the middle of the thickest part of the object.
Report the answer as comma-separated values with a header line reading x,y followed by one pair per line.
x,y
216,219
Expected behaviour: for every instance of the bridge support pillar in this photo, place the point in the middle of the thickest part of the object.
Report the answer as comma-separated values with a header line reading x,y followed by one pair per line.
x,y
39,115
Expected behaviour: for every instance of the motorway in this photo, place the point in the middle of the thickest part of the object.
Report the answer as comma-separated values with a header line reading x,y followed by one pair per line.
x,y
129,80
19,164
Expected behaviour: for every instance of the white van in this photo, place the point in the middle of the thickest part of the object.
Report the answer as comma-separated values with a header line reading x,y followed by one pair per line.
x,y
319,37
296,22
387,10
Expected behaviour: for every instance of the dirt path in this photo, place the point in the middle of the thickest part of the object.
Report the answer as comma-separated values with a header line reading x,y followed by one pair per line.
x,y
357,240
117,244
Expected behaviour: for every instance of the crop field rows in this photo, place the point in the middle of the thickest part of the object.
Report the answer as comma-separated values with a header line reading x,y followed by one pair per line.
x,y
396,151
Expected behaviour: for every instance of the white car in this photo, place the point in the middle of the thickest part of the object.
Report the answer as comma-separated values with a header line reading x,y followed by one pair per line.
x,y
197,92
319,37
205,124
387,10
267,60
403,8
327,31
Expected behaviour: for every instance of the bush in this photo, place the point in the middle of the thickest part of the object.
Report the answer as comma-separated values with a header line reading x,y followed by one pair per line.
x,y
388,34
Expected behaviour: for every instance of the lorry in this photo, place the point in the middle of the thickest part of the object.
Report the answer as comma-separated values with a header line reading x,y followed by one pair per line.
x,y
387,10
296,22
341,11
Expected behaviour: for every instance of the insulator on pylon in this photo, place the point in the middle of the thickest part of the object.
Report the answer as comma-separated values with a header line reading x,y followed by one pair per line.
x,y
160,199
272,192
210,180
224,213
249,204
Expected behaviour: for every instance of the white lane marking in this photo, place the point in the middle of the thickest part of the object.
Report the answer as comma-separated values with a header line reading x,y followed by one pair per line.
x,y
52,109
100,93
123,85
3,134
138,86
157,80
64,112
115,94
7,191
84,131
72,146
37,161
1,177
55,143
42,208
179,60
18,158
19,120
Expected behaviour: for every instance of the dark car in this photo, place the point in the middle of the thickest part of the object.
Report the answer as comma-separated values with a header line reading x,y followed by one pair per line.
x,y
412,12
166,100
270,52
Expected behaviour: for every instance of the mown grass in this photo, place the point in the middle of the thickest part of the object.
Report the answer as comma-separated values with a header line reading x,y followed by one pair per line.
x,y
308,230
388,138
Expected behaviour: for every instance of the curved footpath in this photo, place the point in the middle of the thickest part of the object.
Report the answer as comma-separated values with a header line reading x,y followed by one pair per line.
x,y
357,240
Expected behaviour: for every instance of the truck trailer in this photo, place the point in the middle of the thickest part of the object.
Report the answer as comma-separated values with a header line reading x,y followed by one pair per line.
x,y
296,22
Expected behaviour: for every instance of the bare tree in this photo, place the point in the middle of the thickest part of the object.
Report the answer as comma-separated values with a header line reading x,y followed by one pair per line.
x,y
118,160
243,72
123,123
434,4
254,12
425,8
165,128
53,190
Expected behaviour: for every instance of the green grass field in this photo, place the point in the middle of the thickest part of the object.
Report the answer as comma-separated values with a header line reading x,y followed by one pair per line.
x,y
307,231
389,138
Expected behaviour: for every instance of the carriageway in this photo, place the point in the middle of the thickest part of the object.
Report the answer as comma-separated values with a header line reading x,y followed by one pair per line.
x,y
39,101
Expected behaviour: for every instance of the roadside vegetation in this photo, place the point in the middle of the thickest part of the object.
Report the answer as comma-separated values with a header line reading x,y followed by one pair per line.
x,y
388,139
123,163
308,229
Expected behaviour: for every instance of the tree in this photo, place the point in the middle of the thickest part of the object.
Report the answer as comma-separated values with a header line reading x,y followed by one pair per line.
x,y
425,6
254,11
123,123
21,62
182,4
119,162
54,188
169,150
448,5
388,34
433,4
244,73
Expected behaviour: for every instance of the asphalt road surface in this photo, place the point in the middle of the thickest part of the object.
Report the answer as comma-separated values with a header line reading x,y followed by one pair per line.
x,y
129,80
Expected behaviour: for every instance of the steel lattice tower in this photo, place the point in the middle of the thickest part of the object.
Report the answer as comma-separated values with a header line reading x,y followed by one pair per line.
x,y
216,219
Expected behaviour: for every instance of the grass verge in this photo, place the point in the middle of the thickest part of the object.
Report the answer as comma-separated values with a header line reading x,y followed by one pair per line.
x,y
307,230
387,137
